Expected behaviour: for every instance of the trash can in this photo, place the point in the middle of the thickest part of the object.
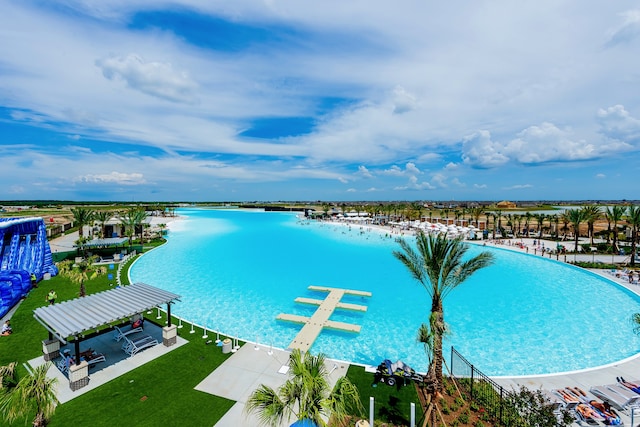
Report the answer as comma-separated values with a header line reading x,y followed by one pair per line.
x,y
226,346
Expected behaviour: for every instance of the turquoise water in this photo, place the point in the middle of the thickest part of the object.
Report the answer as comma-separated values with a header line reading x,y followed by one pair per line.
x,y
237,270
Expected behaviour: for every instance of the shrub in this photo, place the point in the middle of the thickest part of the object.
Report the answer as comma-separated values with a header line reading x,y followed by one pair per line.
x,y
463,418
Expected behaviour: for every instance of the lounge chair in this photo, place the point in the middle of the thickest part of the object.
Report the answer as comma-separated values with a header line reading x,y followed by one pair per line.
x,y
123,333
132,347
614,396
94,358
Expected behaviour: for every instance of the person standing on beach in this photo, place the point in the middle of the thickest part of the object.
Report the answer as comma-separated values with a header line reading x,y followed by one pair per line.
x,y
51,297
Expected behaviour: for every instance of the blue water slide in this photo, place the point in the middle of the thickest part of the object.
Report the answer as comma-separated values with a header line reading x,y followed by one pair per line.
x,y
9,258
10,291
26,258
30,253
25,281
6,295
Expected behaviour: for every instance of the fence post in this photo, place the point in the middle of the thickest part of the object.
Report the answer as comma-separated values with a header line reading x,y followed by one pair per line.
x,y
371,411
471,384
501,404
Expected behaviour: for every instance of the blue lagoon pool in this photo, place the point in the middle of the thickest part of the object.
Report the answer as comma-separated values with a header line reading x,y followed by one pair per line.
x,y
525,315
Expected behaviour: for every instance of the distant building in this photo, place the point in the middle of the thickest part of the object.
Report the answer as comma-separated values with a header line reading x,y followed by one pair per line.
x,y
505,204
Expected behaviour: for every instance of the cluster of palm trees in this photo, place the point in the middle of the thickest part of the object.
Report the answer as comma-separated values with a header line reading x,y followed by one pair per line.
x,y
132,219
526,224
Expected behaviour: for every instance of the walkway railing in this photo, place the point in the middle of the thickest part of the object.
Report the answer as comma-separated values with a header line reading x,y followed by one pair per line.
x,y
482,389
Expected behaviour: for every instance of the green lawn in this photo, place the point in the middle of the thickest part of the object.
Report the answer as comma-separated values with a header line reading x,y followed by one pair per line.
x,y
151,395
160,393
392,404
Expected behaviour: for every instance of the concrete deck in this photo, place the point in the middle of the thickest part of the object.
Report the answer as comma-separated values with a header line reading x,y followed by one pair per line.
x,y
320,319
117,361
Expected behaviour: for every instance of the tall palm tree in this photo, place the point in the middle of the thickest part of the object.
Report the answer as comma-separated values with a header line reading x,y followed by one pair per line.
x,y
498,213
438,265
79,272
306,395
614,215
576,217
82,216
591,214
476,213
35,392
633,218
527,221
540,217
102,217
564,217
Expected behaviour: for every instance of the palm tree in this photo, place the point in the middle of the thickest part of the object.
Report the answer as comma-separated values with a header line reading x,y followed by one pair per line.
x,y
476,213
527,220
539,220
439,267
35,392
564,217
132,220
306,395
576,217
79,272
633,218
591,215
614,215
102,217
498,214
82,216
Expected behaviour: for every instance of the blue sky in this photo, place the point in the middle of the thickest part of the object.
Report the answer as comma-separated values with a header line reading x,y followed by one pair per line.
x,y
289,100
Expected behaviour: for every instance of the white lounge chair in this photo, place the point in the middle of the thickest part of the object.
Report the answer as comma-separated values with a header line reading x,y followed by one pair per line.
x,y
132,347
615,396
123,333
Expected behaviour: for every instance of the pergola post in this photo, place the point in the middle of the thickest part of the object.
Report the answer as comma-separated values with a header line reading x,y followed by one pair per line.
x,y
169,313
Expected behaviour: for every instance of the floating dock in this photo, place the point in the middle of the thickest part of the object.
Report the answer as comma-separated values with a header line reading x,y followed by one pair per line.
x,y
320,319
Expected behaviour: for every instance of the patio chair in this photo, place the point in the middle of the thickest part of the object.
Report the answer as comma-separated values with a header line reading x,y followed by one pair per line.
x,y
134,347
123,333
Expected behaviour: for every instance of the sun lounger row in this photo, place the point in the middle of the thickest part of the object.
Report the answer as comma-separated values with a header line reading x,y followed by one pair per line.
x,y
135,345
585,408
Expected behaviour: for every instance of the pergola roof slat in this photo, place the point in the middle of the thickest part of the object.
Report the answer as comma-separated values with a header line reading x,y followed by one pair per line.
x,y
77,316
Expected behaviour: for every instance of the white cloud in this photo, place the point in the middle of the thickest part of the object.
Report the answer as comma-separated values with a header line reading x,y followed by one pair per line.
x,y
600,175
518,187
153,78
118,178
403,101
364,172
479,186
478,150
616,123
351,190
628,31
545,143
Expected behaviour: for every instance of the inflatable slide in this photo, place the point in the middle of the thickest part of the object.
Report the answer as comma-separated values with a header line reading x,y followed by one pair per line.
x,y
24,250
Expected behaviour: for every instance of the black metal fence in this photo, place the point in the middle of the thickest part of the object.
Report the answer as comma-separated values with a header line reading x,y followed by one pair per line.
x,y
483,390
